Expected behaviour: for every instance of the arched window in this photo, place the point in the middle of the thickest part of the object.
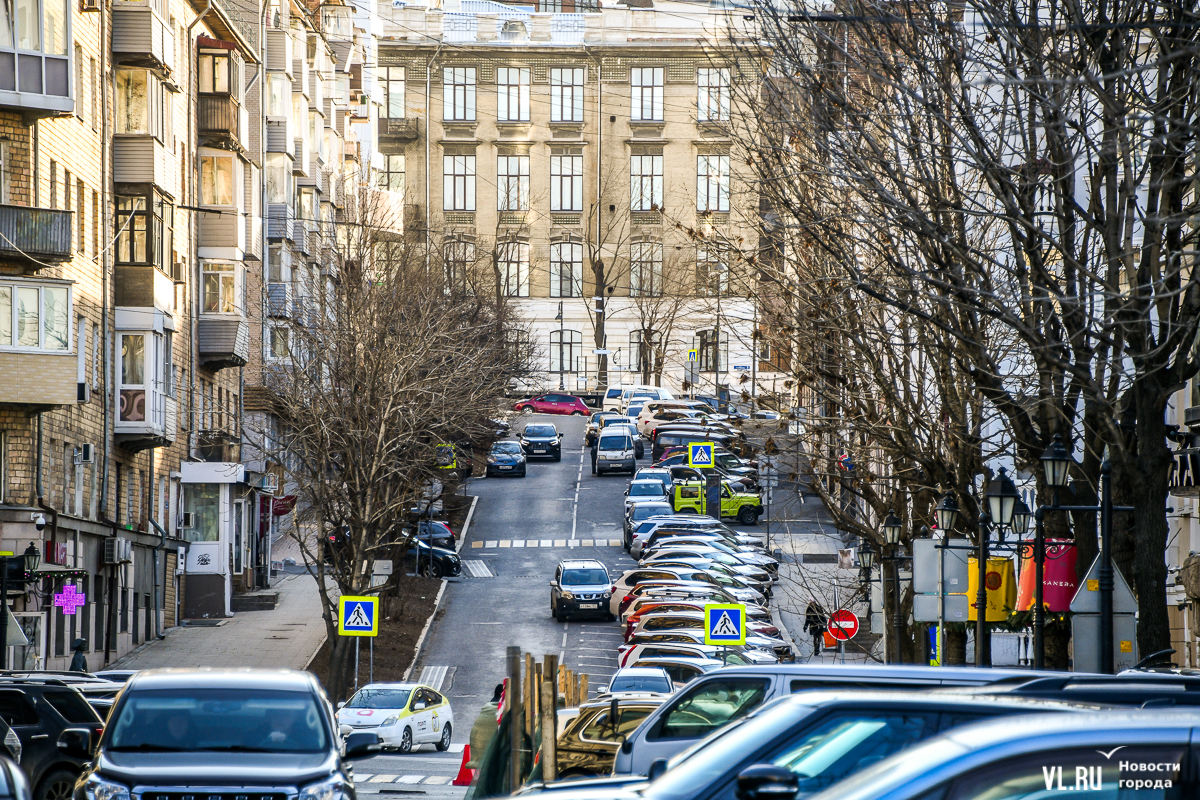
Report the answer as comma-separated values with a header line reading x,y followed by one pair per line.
x,y
566,351
566,269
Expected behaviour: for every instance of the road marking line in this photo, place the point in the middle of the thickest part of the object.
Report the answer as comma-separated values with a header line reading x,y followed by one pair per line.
x,y
434,677
564,643
490,543
383,779
559,542
363,778
477,569
547,542
586,542
518,543
410,779
505,543
614,542
437,780
476,544
572,543
457,748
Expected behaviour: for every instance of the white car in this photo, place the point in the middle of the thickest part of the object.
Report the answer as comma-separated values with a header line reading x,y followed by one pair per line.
x,y
645,489
402,715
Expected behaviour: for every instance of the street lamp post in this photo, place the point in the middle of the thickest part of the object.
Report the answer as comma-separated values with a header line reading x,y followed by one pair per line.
x,y
891,532
1001,496
32,558
562,368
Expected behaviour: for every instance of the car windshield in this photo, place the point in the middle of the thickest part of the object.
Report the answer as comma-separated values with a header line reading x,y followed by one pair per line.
x,y
540,430
642,512
615,443
584,577
640,683
506,447
380,698
644,489
234,720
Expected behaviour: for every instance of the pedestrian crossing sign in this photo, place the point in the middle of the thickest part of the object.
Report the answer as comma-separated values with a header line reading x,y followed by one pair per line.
x,y
693,356
700,455
724,623
358,616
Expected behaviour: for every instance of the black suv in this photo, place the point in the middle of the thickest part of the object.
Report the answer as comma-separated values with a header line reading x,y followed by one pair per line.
x,y
38,710
542,440
220,734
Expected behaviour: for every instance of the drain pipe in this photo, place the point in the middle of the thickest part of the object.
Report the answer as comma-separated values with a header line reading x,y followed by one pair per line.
x,y
40,497
162,543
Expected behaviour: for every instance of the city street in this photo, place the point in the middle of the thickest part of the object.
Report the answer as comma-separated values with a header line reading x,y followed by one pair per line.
x,y
521,529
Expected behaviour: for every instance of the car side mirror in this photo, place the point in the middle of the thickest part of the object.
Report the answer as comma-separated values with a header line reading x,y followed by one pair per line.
x,y
360,744
419,706
762,781
560,435
341,704
76,743
657,768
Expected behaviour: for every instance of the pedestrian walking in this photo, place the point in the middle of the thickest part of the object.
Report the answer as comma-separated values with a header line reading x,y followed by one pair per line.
x,y
485,727
815,622
79,660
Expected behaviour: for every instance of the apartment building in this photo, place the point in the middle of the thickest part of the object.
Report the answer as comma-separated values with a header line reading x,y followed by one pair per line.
x,y
590,156
139,155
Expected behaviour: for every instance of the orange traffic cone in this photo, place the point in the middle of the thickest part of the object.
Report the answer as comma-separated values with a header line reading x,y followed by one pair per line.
x,y
465,773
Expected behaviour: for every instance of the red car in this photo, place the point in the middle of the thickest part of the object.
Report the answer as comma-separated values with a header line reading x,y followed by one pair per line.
x,y
553,404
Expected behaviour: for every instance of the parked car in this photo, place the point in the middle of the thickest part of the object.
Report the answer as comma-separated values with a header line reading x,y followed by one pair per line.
x,y
691,575
177,732
13,783
639,679
665,439
593,426
819,738
436,533
580,586
681,473
589,744
733,693
730,538
666,601
626,424
116,675
38,710
618,396
731,656
754,577
553,404
661,475
639,511
693,619
433,562
643,490
400,714
684,546
745,507
614,452
671,587
725,459
1009,759
681,669
754,641
506,458
542,441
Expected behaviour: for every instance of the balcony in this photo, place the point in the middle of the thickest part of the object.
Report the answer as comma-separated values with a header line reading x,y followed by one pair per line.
x,y
218,118
143,286
37,381
280,220
279,50
279,300
147,418
141,158
279,139
141,38
222,235
403,129
35,233
224,340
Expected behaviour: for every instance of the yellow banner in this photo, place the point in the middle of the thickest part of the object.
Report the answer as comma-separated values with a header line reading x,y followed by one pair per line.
x,y
1001,588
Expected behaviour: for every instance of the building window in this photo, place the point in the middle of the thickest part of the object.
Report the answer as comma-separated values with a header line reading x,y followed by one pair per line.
x,y
6,171
393,92
458,94
204,501
566,94
512,90
566,351
278,173
712,183
458,258
216,180
713,357
514,269
35,317
458,183
646,182
646,103
712,274
145,231
80,94
392,177
512,183
94,90
221,287
645,352
566,183
712,102
279,95
566,269
141,103
277,343
645,269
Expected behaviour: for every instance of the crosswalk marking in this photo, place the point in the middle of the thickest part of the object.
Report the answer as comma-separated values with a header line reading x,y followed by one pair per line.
x,y
492,544
382,779
411,779
434,677
437,779
477,568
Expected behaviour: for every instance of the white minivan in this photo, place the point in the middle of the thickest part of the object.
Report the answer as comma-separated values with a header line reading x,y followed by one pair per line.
x,y
617,397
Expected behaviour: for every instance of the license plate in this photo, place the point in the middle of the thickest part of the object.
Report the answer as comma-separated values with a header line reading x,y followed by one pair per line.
x,y
509,467
538,452
588,605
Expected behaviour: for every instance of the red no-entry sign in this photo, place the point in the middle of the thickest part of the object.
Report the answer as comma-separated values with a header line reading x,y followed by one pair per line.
x,y
843,625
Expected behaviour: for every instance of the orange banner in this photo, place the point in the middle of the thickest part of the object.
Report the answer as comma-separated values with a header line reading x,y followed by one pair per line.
x,y
1001,588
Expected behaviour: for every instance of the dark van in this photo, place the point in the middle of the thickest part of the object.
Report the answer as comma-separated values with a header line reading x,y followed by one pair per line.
x,y
668,439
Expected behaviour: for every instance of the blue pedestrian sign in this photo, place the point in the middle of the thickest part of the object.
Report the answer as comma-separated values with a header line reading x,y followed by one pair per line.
x,y
693,356
700,455
724,623
358,616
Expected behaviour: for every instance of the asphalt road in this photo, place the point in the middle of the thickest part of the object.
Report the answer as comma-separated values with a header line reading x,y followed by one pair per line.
x,y
521,529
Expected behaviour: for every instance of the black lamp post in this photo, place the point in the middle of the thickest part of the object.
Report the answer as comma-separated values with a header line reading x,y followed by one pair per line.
x,y
562,370
947,513
891,533
1056,464
33,559
1001,497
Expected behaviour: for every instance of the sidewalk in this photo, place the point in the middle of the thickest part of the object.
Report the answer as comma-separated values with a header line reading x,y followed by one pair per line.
x,y
286,637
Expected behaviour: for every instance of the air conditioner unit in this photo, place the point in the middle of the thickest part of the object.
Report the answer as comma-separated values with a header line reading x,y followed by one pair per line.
x,y
86,454
83,393
89,5
118,551
187,520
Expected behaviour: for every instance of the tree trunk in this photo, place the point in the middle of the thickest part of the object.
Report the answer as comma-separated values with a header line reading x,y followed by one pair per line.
x,y
1150,526
601,319
954,646
1057,636
341,667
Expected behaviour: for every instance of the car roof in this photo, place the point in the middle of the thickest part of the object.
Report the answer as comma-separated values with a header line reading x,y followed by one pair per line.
x,y
980,676
686,661
224,678
394,685
652,503
581,563
647,481
883,698
623,671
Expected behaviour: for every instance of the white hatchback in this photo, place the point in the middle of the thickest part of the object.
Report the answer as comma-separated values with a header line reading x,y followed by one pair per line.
x,y
402,715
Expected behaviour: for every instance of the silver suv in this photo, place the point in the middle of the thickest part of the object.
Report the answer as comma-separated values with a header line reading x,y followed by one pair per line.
x,y
580,586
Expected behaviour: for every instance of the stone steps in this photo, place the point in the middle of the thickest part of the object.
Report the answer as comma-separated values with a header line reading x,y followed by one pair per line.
x,y
254,601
